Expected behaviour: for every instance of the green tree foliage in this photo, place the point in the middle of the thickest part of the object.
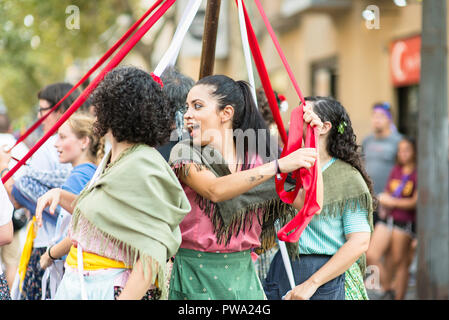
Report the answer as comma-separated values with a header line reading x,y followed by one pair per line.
x,y
37,47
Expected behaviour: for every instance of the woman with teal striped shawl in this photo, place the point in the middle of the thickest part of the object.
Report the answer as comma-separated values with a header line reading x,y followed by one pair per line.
x,y
332,247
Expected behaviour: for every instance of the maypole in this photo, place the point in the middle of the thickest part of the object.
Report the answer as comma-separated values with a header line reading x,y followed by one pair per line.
x,y
209,38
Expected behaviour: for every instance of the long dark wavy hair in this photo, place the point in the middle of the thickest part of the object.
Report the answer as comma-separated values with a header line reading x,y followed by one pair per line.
x,y
246,117
341,144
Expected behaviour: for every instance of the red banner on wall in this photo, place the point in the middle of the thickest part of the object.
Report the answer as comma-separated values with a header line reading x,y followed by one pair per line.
x,y
405,61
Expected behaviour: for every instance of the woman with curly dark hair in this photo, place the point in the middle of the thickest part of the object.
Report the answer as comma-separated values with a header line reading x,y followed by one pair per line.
x,y
6,236
336,239
125,222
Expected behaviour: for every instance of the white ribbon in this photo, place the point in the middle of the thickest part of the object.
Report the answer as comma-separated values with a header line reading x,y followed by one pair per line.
x,y
172,52
246,51
288,266
15,289
249,67
285,258
55,273
44,282
98,171
79,254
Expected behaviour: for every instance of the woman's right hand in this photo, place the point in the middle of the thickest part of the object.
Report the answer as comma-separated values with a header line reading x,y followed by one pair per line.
x,y
50,198
301,158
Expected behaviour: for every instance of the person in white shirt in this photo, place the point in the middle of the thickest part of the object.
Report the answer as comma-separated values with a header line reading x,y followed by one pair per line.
x,y
43,172
10,253
6,235
7,140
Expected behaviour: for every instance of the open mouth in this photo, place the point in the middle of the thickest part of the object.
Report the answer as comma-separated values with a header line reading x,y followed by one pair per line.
x,y
191,127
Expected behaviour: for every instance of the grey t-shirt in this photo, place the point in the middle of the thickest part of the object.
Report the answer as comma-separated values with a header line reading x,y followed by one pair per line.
x,y
380,157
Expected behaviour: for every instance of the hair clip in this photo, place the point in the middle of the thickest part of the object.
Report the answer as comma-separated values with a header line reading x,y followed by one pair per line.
x,y
341,127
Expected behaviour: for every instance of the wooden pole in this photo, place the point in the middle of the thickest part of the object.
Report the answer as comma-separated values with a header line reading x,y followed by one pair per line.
x,y
433,193
209,38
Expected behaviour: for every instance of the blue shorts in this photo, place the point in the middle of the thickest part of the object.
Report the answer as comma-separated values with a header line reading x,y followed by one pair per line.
x,y
276,285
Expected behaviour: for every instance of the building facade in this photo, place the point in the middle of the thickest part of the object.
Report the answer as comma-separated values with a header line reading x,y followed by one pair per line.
x,y
358,51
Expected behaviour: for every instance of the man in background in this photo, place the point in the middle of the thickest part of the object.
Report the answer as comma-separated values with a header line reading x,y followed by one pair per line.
x,y
379,150
380,147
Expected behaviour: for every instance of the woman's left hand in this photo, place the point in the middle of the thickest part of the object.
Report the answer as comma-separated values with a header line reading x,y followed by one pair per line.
x,y
303,291
312,118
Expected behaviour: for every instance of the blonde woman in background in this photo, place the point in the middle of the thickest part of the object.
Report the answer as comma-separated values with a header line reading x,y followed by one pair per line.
x,y
78,145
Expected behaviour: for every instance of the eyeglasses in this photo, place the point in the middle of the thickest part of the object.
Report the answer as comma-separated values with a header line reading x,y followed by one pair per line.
x,y
42,110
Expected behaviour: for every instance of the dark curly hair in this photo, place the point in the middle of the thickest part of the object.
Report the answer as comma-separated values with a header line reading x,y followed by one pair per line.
x,y
342,145
132,105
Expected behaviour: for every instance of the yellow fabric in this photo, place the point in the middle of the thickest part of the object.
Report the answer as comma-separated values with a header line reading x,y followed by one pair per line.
x,y
93,261
26,252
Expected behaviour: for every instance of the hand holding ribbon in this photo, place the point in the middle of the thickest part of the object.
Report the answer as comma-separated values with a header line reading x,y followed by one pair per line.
x,y
306,179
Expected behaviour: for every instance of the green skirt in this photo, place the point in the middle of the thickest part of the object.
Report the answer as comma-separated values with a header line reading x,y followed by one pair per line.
x,y
198,275
354,285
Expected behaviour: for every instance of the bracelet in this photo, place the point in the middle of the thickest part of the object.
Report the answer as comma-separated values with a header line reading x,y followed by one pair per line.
x,y
3,171
48,251
278,170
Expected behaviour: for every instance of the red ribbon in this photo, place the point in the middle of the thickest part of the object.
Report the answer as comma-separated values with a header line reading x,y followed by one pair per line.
x,y
304,178
157,79
279,50
89,73
85,94
263,74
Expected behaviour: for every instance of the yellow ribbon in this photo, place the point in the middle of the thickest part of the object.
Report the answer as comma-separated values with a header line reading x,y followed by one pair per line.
x,y
93,261
26,252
